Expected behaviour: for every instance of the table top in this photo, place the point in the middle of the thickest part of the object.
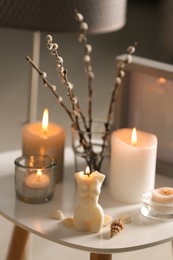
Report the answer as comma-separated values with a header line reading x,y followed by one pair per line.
x,y
140,233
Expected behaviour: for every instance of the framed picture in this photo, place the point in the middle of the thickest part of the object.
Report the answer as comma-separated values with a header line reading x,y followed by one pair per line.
x,y
146,102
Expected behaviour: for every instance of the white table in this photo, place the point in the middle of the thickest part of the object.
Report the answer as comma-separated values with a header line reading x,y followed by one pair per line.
x,y
28,218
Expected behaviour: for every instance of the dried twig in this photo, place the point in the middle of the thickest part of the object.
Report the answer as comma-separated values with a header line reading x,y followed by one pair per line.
x,y
46,83
93,158
87,61
117,82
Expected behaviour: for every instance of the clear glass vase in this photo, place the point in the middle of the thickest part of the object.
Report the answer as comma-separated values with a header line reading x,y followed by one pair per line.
x,y
92,147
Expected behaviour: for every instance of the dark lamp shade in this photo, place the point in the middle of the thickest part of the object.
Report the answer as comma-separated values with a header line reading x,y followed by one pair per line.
x,y
58,15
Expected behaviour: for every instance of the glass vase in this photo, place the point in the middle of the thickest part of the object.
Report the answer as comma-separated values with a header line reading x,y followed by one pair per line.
x,y
92,147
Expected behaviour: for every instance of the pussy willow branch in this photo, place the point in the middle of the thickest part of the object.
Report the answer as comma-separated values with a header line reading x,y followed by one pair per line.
x,y
46,83
117,82
87,61
63,75
51,87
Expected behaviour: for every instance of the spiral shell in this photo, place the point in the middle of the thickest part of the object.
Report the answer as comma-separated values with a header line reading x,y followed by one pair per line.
x,y
116,227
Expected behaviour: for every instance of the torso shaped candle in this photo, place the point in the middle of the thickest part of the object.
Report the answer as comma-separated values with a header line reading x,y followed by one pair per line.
x,y
89,215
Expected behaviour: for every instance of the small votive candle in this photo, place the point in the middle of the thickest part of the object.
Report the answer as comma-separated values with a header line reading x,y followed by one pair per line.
x,y
158,203
35,178
163,195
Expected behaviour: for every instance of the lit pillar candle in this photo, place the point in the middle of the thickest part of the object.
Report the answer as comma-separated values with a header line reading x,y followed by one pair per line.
x,y
133,165
37,180
163,195
45,138
89,215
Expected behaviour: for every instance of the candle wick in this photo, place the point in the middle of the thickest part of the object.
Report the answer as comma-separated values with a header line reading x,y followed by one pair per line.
x,y
44,132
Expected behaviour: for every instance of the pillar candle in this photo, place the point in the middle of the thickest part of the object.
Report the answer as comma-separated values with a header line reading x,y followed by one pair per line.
x,y
89,215
132,165
50,141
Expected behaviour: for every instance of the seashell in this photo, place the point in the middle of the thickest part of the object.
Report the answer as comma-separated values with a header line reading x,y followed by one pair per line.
x,y
68,222
116,227
57,214
107,220
126,218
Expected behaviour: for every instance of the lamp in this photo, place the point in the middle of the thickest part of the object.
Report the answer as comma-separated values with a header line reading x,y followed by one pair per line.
x,y
58,15
102,16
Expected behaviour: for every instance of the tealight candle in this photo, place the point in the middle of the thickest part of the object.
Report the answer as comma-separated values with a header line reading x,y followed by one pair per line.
x,y
37,180
45,138
133,161
163,195
89,215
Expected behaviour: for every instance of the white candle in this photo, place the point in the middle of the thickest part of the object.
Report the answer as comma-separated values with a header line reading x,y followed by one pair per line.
x,y
163,195
132,165
45,139
37,180
89,215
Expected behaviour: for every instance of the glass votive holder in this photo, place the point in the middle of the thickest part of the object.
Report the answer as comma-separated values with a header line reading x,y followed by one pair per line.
x,y
155,210
35,178
92,147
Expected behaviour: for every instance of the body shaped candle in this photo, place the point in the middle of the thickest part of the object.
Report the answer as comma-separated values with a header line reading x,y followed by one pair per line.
x,y
132,165
163,195
89,215
38,140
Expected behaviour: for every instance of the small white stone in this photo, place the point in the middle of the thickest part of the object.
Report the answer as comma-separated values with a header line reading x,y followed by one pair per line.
x,y
58,214
126,218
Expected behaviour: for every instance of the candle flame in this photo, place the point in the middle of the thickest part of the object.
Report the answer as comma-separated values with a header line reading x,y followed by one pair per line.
x,y
134,137
45,120
161,81
38,174
87,171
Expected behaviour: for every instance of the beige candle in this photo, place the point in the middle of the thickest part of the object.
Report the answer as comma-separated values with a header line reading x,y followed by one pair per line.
x,y
45,139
